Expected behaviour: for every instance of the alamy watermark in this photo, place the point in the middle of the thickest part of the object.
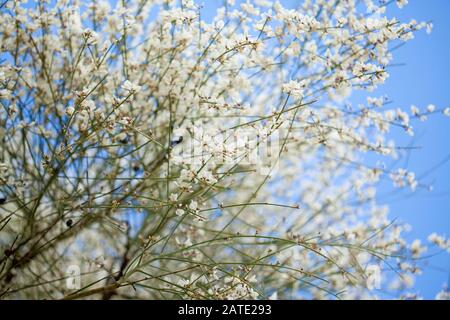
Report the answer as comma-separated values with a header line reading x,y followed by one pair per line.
x,y
73,279
246,148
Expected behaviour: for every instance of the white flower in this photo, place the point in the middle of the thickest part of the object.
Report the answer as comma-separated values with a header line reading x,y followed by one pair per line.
x,y
90,36
3,169
131,87
12,111
402,178
193,205
417,249
189,4
70,111
296,89
179,212
378,102
402,3
444,294
414,110
431,108
126,121
447,112
5,93
184,282
438,240
121,137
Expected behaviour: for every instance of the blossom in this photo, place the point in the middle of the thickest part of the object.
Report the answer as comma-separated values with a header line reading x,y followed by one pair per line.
x,y
415,111
193,205
438,240
131,87
447,112
401,177
376,101
184,282
70,111
179,212
401,3
444,294
295,88
90,36
417,248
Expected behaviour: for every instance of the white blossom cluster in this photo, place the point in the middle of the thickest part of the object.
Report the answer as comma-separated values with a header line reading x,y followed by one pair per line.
x,y
131,146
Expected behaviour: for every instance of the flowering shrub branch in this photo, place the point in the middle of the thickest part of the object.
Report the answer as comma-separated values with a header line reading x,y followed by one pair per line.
x,y
157,155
